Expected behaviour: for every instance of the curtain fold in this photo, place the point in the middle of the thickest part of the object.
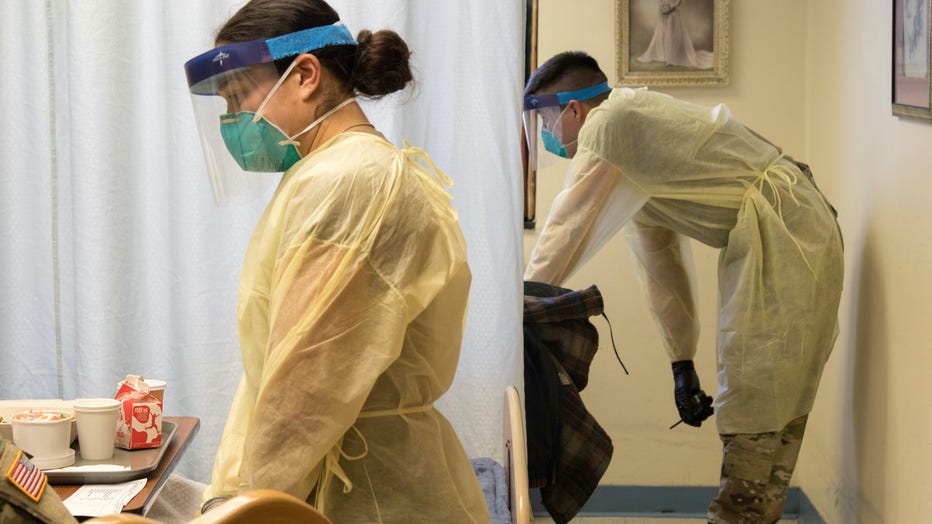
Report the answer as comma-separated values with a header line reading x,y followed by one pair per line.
x,y
115,258
29,324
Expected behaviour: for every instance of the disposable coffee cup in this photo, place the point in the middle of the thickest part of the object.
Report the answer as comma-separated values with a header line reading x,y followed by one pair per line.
x,y
97,420
156,388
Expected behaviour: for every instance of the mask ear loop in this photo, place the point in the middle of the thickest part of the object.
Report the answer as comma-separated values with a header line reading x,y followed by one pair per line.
x,y
559,125
268,97
312,125
291,140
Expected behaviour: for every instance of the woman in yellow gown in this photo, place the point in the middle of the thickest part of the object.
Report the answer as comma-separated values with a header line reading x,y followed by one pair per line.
x,y
354,287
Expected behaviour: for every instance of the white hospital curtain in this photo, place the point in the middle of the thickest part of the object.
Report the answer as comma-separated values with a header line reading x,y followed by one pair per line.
x,y
115,260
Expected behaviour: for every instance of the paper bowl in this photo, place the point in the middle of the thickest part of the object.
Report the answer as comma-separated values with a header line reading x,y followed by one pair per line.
x,y
43,433
8,407
6,430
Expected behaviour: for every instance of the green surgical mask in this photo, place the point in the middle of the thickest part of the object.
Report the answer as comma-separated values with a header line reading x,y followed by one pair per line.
x,y
258,146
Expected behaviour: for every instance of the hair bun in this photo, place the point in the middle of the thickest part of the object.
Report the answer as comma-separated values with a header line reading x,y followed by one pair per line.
x,y
382,63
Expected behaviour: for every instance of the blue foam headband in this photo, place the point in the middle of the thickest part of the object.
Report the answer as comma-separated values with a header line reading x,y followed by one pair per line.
x,y
243,54
556,99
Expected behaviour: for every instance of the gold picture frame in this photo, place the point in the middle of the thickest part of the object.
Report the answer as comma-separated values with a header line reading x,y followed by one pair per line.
x,y
672,42
912,58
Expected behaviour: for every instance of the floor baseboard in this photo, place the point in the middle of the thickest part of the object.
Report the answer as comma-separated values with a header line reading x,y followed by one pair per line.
x,y
671,502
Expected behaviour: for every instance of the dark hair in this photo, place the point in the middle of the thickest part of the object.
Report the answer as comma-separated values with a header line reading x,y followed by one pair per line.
x,y
377,66
567,71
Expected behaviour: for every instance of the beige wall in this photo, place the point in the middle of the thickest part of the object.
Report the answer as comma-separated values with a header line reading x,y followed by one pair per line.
x,y
814,77
868,455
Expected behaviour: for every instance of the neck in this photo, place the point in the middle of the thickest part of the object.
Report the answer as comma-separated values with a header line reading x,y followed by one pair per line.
x,y
350,115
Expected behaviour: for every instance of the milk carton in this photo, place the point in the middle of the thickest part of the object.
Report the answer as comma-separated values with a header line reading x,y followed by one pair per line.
x,y
140,424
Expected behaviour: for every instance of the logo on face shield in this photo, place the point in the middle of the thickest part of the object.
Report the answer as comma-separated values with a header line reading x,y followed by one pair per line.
x,y
221,56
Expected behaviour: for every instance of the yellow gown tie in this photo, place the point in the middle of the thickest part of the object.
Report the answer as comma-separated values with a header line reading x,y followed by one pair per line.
x,y
331,467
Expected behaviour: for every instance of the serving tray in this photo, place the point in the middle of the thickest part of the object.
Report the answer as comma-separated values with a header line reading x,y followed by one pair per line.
x,y
138,463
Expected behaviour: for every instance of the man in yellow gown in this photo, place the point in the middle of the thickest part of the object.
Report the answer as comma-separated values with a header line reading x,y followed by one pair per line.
x,y
665,171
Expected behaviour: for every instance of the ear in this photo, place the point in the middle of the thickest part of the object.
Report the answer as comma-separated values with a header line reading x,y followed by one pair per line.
x,y
308,71
580,110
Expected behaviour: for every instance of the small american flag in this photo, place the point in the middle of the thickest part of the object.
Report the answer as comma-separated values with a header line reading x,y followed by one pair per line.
x,y
27,477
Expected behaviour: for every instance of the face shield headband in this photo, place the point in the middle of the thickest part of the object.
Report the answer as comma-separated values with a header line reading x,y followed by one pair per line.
x,y
532,102
543,112
244,151
203,69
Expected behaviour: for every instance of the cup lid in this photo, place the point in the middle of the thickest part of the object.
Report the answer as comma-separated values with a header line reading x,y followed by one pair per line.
x,y
96,404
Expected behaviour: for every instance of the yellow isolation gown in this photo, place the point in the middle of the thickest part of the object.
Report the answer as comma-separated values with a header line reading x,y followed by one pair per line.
x,y
351,313
667,170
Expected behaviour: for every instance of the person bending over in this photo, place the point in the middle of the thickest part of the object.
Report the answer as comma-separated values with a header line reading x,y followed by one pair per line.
x,y
664,171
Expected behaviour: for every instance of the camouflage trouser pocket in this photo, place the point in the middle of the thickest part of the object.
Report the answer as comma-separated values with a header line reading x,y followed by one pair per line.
x,y
749,457
756,473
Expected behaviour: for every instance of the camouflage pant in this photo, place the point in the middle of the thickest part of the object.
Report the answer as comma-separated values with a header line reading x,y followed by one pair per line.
x,y
756,472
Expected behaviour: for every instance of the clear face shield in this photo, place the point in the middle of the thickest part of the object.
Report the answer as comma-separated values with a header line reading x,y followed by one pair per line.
x,y
543,122
231,85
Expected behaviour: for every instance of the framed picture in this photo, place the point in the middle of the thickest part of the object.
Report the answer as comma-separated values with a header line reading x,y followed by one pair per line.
x,y
671,42
912,47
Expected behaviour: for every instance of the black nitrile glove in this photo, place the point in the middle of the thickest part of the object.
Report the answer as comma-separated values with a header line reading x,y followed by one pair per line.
x,y
692,403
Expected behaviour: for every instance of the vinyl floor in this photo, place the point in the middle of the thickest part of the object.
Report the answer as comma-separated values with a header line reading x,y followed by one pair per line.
x,y
634,520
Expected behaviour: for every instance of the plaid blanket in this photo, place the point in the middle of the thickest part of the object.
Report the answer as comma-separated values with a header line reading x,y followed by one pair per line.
x,y
568,451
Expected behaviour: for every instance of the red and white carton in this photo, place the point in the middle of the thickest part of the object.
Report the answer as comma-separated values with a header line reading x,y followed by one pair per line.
x,y
140,424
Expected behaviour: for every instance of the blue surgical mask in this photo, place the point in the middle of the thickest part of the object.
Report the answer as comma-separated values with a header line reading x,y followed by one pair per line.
x,y
258,146
553,144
